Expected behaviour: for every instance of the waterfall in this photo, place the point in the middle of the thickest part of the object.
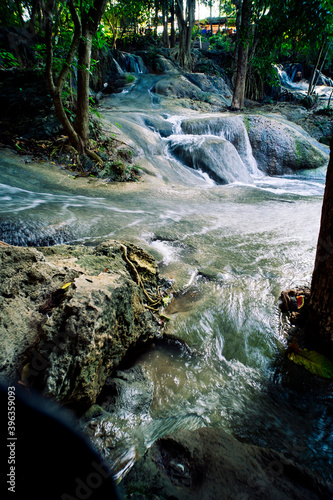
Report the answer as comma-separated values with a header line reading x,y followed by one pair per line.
x,y
131,63
120,71
285,81
230,128
211,154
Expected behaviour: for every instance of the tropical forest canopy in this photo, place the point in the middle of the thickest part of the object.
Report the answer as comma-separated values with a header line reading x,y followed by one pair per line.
x,y
252,36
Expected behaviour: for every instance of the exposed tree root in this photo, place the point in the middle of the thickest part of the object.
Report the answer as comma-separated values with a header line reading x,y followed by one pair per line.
x,y
153,299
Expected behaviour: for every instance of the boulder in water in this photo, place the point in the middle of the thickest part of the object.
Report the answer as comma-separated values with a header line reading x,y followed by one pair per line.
x,y
209,83
281,148
213,155
209,463
229,127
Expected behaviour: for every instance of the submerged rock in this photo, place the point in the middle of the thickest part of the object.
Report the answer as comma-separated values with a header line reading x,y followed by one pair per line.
x,y
70,314
209,463
213,155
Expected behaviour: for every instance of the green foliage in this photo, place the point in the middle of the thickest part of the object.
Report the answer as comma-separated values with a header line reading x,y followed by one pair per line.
x,y
129,78
312,361
8,60
220,41
9,15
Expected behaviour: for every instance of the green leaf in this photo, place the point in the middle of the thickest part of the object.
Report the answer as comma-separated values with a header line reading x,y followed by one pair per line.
x,y
313,361
166,300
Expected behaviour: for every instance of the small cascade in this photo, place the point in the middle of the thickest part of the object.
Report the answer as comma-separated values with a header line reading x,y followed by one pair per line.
x,y
287,82
154,98
214,155
176,124
131,63
119,70
230,128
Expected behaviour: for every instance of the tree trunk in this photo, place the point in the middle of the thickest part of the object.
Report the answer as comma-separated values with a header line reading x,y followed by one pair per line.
x,y
242,59
311,84
173,33
319,330
165,37
56,85
82,40
238,5
81,123
185,26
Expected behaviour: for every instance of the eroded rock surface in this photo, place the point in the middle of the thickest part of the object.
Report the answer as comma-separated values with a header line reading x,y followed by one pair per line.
x,y
281,148
70,314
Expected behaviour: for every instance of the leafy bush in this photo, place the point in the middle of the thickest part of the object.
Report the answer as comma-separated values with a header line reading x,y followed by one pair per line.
x,y
220,41
8,60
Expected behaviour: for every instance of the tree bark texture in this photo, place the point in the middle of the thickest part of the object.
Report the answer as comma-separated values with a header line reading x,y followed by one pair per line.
x,y
185,17
90,22
319,328
242,59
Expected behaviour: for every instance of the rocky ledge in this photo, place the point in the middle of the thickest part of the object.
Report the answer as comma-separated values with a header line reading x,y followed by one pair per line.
x,y
70,314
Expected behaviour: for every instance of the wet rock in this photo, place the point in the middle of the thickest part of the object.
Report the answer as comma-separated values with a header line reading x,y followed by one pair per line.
x,y
192,87
67,341
209,83
208,463
164,65
123,406
229,127
128,392
281,148
177,87
163,127
213,155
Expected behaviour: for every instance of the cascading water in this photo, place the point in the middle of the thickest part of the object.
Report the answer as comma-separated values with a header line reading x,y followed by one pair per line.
x,y
323,90
230,249
232,129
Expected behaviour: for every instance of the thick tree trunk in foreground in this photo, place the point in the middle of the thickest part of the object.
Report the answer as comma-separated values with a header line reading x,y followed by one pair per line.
x,y
173,32
319,328
242,59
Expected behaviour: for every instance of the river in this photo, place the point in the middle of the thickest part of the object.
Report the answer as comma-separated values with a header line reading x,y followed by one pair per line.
x,y
231,250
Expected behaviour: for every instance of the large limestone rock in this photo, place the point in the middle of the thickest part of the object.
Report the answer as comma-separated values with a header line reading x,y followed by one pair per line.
x,y
67,341
280,147
209,464
213,155
212,90
228,126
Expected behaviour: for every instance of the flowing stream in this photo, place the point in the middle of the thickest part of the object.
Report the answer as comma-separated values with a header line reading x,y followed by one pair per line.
x,y
231,250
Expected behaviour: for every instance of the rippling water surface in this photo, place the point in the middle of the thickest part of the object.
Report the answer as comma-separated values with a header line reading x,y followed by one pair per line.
x,y
231,250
